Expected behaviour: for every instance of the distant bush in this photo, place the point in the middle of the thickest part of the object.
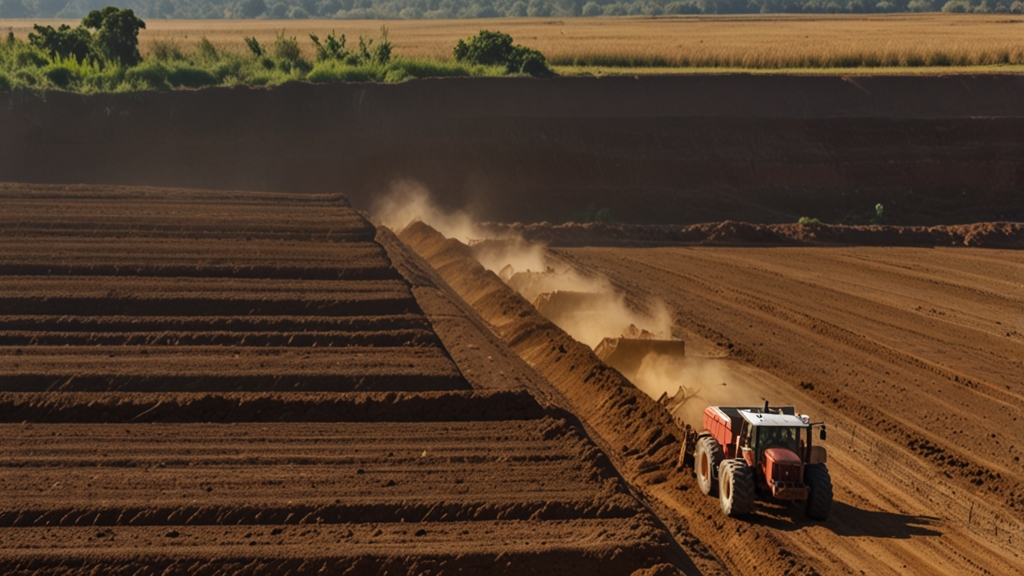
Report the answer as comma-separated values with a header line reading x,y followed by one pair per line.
x,y
332,48
60,75
805,221
166,50
190,77
254,46
285,48
379,54
206,50
117,34
150,75
496,49
334,71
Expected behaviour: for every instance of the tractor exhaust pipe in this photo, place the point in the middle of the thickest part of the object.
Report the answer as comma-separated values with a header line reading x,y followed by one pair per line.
x,y
765,406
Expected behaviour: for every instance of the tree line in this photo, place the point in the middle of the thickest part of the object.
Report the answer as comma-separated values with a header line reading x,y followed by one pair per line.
x,y
415,9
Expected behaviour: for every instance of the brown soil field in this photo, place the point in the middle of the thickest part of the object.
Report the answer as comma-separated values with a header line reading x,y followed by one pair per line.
x,y
200,382
729,233
911,355
747,41
649,150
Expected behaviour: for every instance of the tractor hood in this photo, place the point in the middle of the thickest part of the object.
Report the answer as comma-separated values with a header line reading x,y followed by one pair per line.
x,y
782,465
782,456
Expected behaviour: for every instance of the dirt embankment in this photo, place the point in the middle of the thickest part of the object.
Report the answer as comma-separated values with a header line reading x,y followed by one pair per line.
x,y
932,150
729,233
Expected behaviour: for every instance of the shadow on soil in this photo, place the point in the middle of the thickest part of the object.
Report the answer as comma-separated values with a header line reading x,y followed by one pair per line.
x,y
847,520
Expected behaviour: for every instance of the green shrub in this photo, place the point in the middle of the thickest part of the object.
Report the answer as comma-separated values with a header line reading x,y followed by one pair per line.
x,y
254,46
148,75
285,48
805,221
379,54
29,58
5,83
436,69
206,49
496,49
190,77
332,48
397,75
335,71
486,48
60,75
166,50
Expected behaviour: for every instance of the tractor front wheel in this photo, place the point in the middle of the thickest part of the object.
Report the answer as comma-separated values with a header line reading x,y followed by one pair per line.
x,y
819,502
736,488
707,457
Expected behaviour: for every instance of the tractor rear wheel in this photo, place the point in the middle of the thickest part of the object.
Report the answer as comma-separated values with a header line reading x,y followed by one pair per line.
x,y
819,502
707,457
736,488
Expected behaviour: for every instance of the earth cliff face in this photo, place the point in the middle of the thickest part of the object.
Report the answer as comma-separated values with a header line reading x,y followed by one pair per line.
x,y
932,150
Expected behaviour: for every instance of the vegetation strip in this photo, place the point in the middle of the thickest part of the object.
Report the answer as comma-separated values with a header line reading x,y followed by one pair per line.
x,y
102,55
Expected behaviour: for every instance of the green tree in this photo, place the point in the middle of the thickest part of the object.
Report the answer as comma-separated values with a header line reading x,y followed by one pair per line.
x,y
64,42
117,34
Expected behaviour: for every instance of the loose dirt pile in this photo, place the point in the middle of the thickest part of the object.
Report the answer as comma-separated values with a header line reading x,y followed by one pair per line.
x,y
729,233
195,382
922,443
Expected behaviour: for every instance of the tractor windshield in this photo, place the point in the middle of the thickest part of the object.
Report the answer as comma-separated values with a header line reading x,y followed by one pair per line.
x,y
778,437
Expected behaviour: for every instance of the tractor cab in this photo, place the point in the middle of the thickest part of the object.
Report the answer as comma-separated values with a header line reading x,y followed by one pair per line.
x,y
776,445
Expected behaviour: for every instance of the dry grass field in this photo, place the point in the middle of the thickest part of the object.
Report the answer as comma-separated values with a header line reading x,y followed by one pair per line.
x,y
947,42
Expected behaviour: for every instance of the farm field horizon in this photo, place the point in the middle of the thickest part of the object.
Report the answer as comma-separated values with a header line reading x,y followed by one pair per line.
x,y
930,43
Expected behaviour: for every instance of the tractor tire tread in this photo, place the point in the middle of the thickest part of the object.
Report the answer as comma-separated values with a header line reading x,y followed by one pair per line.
x,y
819,501
707,444
741,492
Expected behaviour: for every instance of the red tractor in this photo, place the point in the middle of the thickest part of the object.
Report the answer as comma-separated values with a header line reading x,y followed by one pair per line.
x,y
748,452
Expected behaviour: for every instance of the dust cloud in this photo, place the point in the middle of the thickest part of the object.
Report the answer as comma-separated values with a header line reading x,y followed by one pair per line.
x,y
600,312
699,383
408,201
586,306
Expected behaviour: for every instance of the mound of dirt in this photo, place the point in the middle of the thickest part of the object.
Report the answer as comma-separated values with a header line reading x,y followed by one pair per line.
x,y
730,233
